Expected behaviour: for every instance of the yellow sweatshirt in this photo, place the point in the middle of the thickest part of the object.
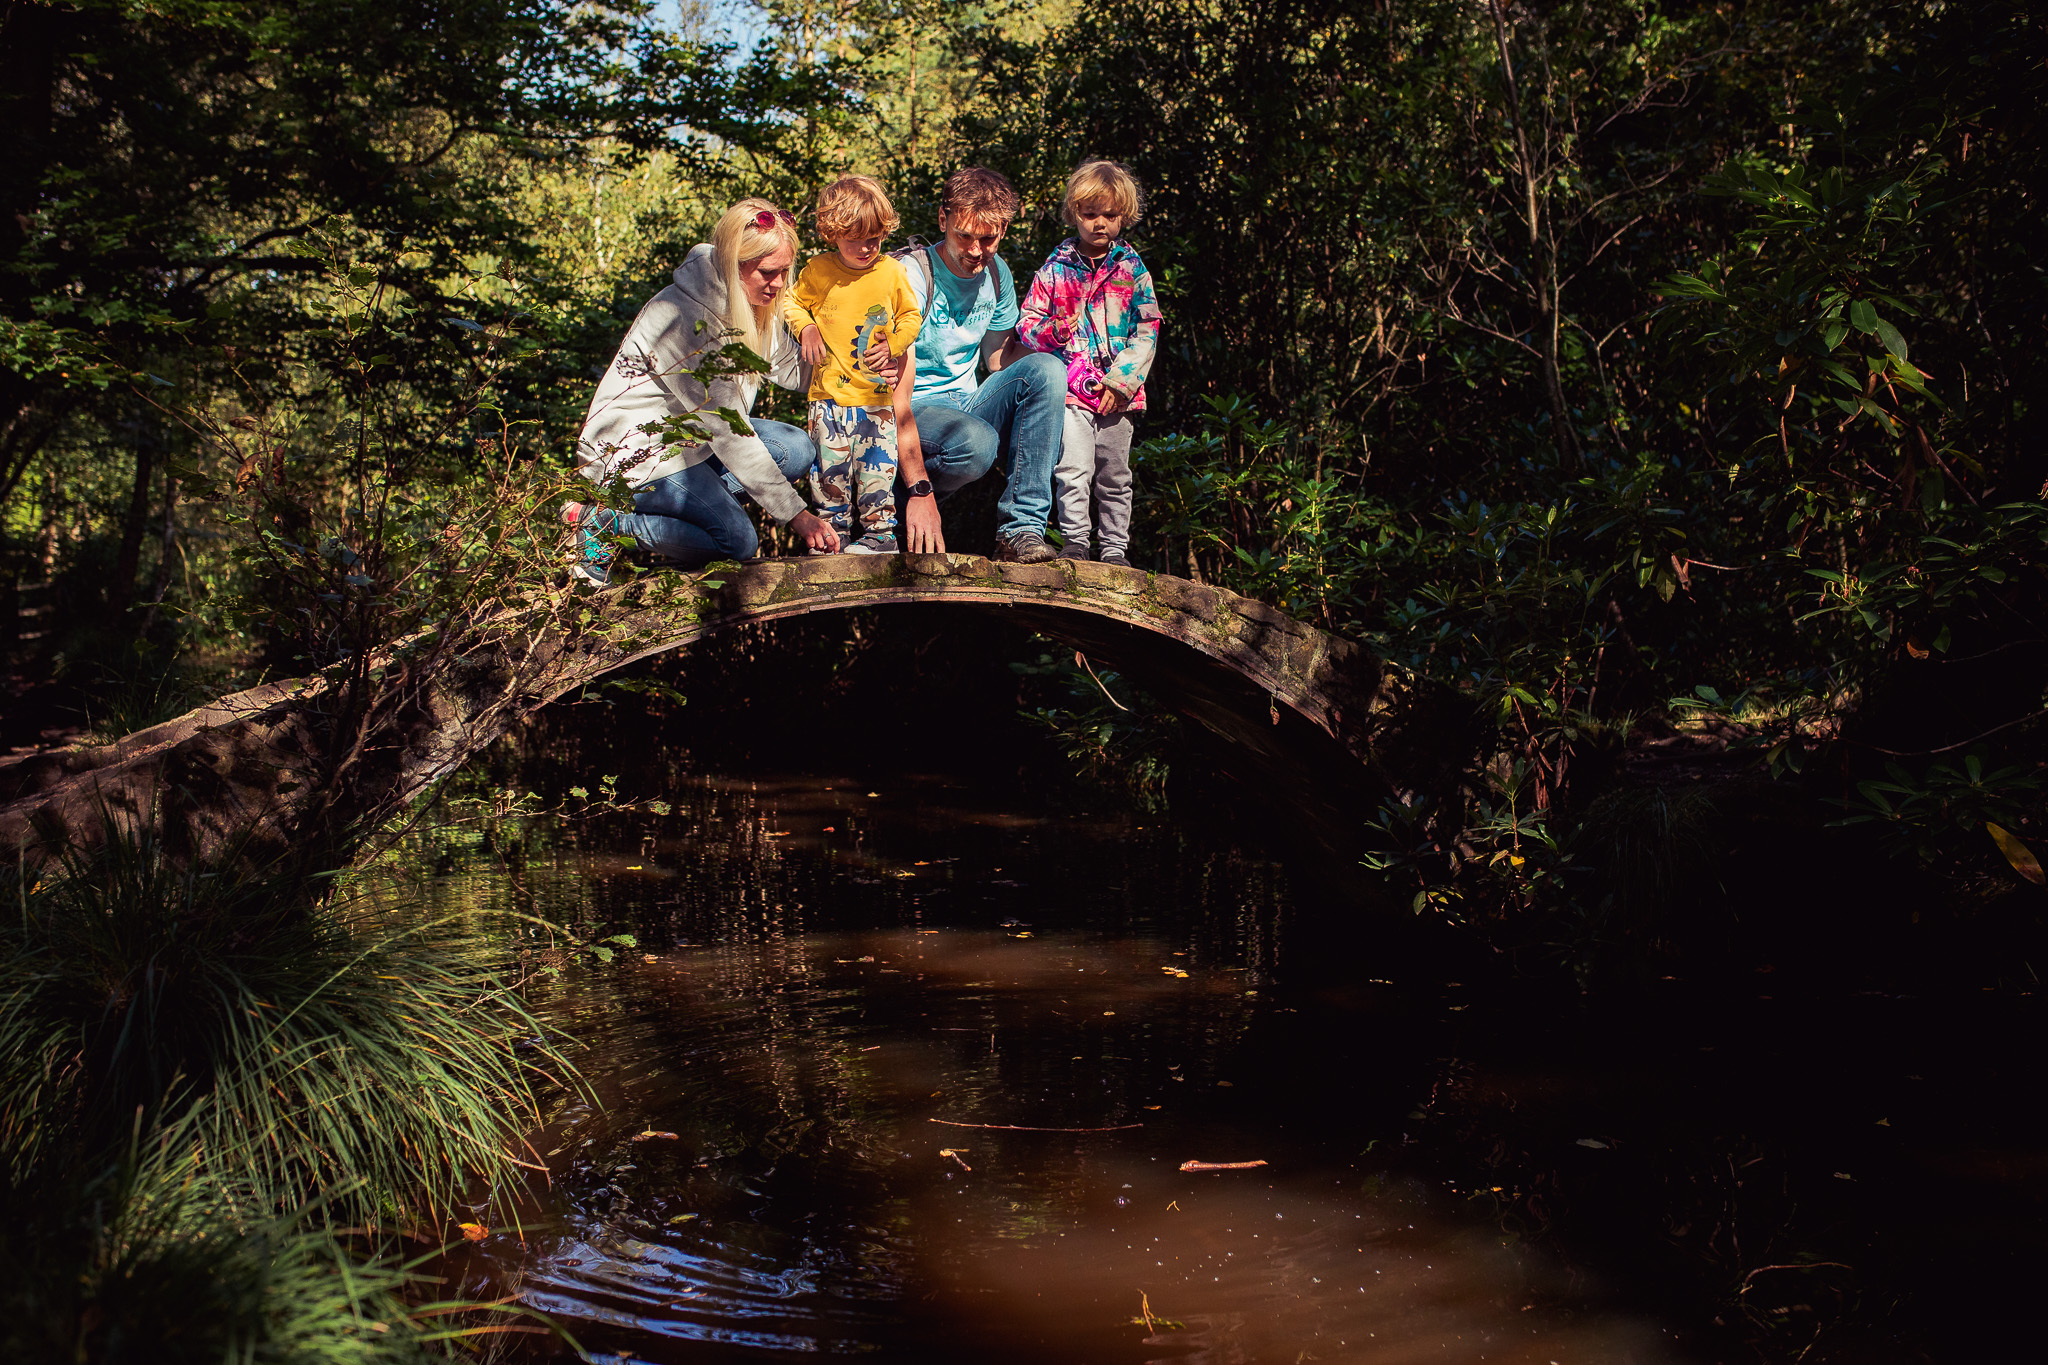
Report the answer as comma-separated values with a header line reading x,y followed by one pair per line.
x,y
850,308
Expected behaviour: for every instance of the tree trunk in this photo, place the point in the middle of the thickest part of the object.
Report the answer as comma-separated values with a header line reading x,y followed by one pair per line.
x,y
121,592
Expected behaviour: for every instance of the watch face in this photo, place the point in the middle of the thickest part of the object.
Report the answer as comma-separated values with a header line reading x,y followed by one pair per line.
x,y
921,489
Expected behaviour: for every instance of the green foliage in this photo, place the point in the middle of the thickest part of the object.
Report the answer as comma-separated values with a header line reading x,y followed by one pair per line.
x,y
1112,735
329,1051
153,1259
1607,369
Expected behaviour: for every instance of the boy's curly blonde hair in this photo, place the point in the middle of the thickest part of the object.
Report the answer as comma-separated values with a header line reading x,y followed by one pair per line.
x,y
1103,182
855,206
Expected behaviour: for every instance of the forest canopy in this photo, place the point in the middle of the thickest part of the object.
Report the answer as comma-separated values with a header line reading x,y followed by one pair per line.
x,y
1624,373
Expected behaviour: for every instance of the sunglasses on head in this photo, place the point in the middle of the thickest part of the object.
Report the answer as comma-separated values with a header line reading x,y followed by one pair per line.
x,y
765,220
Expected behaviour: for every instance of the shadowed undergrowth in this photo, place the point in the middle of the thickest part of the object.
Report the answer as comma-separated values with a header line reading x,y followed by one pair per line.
x,y
221,1102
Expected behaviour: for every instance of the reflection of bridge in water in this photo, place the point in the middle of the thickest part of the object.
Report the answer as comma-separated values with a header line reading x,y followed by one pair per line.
x,y
1295,704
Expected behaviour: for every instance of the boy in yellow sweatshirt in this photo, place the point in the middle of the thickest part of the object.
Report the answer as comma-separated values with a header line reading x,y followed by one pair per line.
x,y
843,303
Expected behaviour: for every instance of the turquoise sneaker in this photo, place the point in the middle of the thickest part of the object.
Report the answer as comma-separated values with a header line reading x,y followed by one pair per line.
x,y
592,559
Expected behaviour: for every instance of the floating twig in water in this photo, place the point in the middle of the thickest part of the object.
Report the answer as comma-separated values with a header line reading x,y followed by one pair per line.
x,y
1028,1128
1219,1165
1151,1321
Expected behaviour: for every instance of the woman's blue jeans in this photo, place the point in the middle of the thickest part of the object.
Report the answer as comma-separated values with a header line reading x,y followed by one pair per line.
x,y
694,516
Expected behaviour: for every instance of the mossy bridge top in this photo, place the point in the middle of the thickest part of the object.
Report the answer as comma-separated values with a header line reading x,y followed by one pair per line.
x,y
286,764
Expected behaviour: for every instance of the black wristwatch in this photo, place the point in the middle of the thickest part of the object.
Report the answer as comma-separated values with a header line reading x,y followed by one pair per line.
x,y
921,489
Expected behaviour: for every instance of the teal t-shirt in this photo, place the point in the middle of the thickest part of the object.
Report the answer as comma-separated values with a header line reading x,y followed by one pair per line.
x,y
960,313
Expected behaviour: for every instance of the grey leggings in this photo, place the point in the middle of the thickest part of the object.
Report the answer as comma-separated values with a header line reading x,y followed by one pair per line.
x,y
1097,453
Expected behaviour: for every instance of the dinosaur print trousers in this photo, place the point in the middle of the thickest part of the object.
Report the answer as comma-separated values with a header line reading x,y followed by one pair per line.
x,y
855,469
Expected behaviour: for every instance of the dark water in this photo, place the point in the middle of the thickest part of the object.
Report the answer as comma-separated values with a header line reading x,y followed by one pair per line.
x,y
910,1071
841,995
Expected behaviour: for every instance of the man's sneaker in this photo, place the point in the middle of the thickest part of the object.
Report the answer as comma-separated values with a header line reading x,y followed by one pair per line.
x,y
1074,549
1115,557
882,544
1022,547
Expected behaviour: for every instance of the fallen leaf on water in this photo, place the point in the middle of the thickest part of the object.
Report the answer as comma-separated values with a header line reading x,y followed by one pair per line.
x,y
650,1135
1151,1321
682,1218
1843,1175
1219,1165
2018,854
1593,1142
1151,1106
475,1232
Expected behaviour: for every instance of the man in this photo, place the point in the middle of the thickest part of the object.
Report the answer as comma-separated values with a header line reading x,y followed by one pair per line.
x,y
967,423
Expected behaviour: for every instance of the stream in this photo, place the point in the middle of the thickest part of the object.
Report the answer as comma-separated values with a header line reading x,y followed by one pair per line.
x,y
912,1071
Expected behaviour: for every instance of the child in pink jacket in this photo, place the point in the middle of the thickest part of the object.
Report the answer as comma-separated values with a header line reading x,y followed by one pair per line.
x,y
1092,304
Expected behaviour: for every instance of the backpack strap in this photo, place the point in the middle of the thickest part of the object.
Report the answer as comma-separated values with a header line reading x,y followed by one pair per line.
x,y
931,266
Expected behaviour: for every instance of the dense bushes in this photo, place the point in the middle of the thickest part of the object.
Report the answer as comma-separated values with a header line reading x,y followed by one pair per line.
x,y
1611,369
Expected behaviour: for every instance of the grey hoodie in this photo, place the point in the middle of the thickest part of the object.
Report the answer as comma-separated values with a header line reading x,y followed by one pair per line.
x,y
651,377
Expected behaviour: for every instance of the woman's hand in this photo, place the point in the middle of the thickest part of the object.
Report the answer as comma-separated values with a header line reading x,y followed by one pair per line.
x,y
813,345
812,530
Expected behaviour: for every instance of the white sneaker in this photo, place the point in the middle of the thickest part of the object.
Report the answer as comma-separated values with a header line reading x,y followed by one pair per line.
x,y
873,545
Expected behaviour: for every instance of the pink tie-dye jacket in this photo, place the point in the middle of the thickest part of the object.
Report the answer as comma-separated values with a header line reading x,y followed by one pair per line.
x,y
1103,321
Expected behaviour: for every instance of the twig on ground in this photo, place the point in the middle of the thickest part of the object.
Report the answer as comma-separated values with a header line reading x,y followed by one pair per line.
x,y
1029,1128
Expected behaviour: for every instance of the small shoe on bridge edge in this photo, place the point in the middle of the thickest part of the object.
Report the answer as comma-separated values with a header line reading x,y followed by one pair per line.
x,y
1022,547
882,544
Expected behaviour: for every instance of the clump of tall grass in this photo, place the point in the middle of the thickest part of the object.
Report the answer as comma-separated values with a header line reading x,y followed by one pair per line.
x,y
151,1260
319,1049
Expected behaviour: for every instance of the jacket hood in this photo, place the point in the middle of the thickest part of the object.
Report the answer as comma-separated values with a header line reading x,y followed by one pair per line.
x,y
697,277
1070,251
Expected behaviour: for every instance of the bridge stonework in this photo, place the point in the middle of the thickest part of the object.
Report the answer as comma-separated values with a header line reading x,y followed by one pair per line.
x,y
243,772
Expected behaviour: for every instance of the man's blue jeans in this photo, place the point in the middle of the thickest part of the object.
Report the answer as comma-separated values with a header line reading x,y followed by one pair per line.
x,y
1016,417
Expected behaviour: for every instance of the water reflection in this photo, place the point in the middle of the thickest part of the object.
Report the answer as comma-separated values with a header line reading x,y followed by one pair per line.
x,y
895,1075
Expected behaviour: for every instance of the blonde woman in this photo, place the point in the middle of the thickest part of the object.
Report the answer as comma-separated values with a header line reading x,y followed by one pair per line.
x,y
685,485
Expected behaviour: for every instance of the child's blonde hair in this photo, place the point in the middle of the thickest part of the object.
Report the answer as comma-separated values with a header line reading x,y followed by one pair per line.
x,y
855,206
738,239
1103,182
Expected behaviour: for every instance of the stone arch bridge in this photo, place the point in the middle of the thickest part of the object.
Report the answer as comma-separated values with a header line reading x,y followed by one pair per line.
x,y
301,766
